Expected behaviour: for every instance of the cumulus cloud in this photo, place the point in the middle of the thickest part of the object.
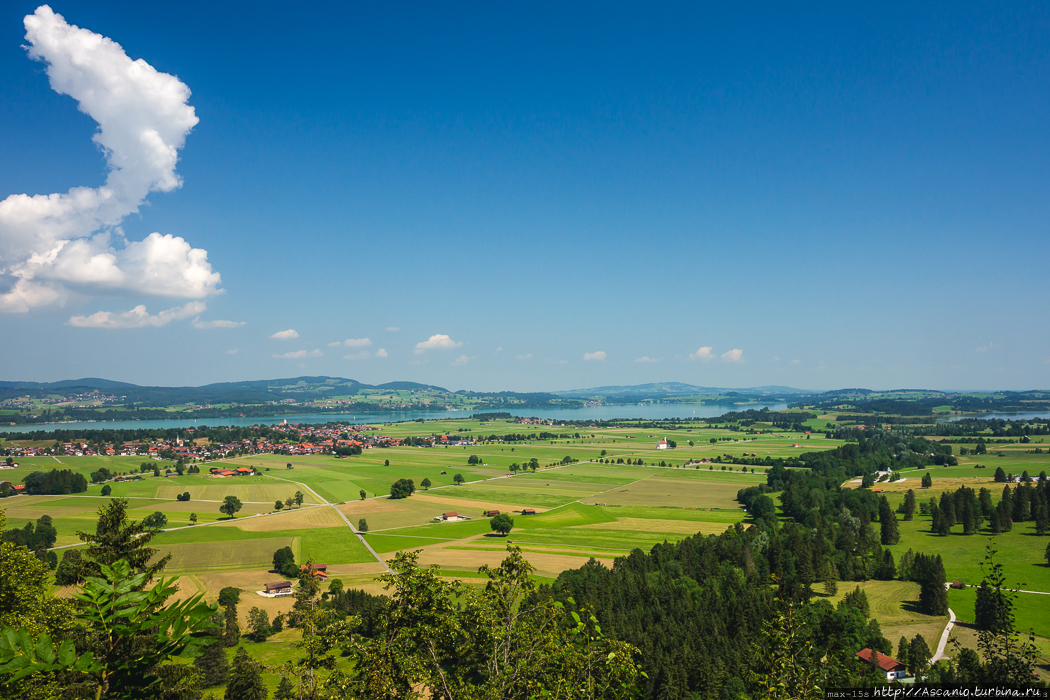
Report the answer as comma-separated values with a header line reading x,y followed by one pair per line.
x,y
55,246
363,355
796,362
204,325
734,355
526,356
299,354
436,342
137,317
381,352
598,356
393,329
704,354
289,334
645,359
357,343
986,348
462,360
233,352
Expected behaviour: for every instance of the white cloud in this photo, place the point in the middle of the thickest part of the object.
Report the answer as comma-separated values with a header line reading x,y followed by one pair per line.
x,y
137,317
233,352
499,349
526,356
776,358
462,360
734,355
382,353
705,354
357,343
289,334
986,348
363,355
598,356
335,344
392,329
299,354
796,362
645,359
204,325
58,245
436,342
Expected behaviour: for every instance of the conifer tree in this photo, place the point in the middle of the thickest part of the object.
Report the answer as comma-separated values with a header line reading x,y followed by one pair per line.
x,y
245,680
932,594
231,632
902,650
213,666
918,655
285,690
908,508
887,523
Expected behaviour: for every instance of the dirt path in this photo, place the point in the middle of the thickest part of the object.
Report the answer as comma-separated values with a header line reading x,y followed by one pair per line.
x,y
324,502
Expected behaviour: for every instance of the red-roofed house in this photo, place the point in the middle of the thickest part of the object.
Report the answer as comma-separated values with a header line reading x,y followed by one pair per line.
x,y
891,667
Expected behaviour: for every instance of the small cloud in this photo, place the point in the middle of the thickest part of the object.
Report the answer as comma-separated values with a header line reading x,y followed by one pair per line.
x,y
526,356
986,348
796,362
363,355
299,354
462,360
499,349
734,355
335,343
646,359
392,329
776,358
381,353
357,342
204,325
598,356
436,342
233,352
704,354
137,317
552,361
422,361
289,334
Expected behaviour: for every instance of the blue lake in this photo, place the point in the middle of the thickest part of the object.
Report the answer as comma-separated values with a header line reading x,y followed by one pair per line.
x,y
648,411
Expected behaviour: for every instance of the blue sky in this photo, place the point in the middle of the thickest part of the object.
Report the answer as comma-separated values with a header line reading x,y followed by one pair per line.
x,y
536,197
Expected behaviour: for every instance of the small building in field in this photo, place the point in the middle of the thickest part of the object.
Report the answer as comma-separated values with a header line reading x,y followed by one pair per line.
x,y
320,570
491,513
958,584
891,667
278,588
529,511
663,445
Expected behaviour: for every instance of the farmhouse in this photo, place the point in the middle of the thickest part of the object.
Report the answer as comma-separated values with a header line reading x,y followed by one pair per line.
x,y
320,570
529,511
891,667
278,588
491,513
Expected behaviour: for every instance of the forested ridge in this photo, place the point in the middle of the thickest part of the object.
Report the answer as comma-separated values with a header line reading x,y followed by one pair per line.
x,y
704,611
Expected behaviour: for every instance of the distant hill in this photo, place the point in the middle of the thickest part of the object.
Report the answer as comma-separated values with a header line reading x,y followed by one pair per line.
x,y
247,392
669,389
